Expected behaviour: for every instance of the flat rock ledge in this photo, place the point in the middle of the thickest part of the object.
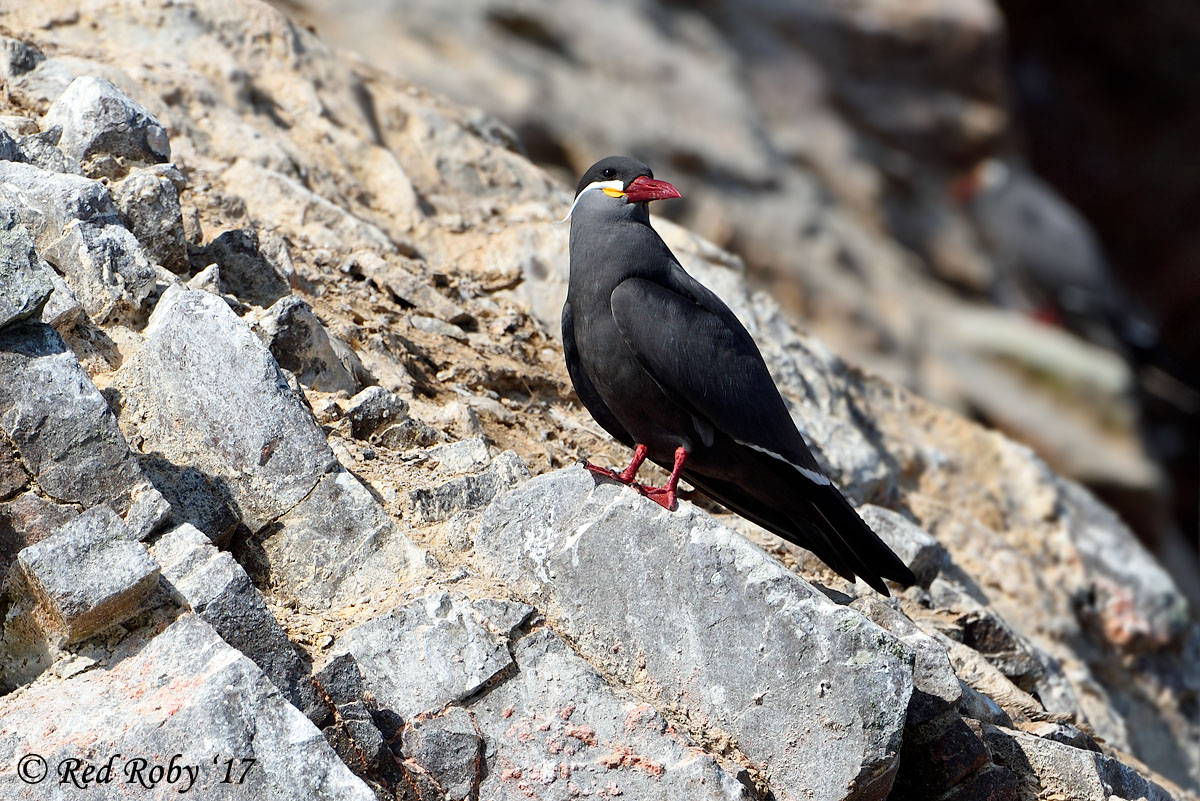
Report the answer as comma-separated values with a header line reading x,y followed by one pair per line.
x,y
811,695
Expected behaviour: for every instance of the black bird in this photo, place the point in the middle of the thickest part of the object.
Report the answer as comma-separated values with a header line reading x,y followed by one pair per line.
x,y
668,370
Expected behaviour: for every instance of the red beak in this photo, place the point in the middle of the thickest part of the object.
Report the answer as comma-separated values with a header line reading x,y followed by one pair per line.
x,y
643,189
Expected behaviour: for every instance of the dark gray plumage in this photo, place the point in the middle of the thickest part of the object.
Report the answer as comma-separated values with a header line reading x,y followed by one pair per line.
x,y
667,369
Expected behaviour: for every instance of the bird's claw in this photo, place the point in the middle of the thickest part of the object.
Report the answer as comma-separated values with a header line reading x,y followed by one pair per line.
x,y
604,471
663,496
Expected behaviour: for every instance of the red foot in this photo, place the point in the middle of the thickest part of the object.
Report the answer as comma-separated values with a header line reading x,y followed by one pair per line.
x,y
627,475
663,496
666,496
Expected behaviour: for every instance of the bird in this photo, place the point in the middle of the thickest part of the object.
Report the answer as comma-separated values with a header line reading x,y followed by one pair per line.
x,y
1050,261
667,369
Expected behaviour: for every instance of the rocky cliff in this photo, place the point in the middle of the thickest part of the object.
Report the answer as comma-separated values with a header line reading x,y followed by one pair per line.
x,y
276,368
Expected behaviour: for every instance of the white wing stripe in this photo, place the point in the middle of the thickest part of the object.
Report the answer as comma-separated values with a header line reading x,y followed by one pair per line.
x,y
811,475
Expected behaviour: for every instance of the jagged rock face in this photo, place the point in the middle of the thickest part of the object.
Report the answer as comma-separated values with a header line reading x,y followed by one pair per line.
x,y
268,418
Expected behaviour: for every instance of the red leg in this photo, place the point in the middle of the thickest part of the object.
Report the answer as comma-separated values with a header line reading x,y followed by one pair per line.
x,y
665,496
626,476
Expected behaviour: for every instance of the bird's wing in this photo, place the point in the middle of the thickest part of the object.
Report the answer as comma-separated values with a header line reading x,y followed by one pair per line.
x,y
583,384
707,363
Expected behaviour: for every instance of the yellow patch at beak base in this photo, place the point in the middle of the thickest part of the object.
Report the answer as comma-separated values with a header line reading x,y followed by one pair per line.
x,y
613,192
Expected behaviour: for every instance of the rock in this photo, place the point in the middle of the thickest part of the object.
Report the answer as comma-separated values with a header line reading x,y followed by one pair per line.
x,y
300,343
423,656
60,423
373,409
937,758
432,325
1063,733
41,150
547,717
463,456
25,519
87,576
148,513
148,202
8,148
338,544
435,504
76,228
410,289
449,746
1135,605
185,692
204,392
98,119
30,75
267,193
13,477
936,688
409,433
24,281
557,722
977,706
216,587
349,727
923,554
63,309
207,280
1047,768
245,271
686,654
17,125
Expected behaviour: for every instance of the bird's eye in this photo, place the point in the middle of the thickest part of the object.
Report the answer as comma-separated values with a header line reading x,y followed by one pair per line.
x,y
609,172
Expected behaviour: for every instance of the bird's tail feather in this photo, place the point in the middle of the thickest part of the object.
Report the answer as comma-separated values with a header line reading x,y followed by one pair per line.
x,y
824,523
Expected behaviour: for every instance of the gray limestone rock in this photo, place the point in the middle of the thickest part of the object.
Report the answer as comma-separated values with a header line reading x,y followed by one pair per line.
x,y
246,272
217,588
300,343
148,512
435,504
460,456
548,725
557,729
13,477
1136,605
63,309
204,392
811,691
407,434
98,119
75,227
374,409
148,202
25,519
918,549
348,724
1049,769
9,151
186,692
59,422
338,544
432,652
87,576
449,747
24,280
936,688
41,150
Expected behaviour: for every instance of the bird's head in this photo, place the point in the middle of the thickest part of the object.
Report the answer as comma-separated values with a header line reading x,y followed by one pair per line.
x,y
621,181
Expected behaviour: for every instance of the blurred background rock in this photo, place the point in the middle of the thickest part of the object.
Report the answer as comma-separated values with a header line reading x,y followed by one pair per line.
x,y
992,203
